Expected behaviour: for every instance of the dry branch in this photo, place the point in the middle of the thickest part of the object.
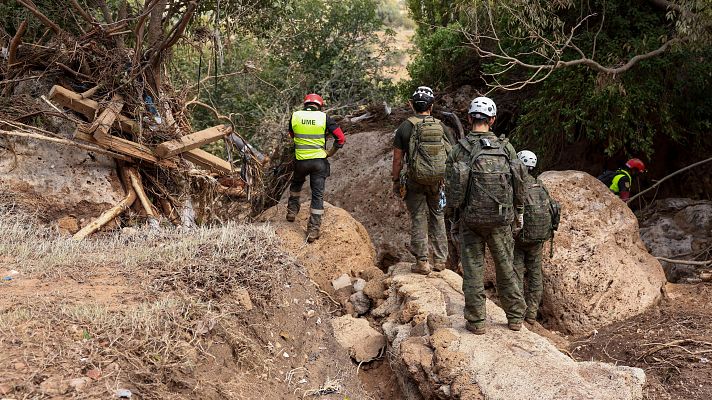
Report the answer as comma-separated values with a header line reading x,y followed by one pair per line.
x,y
15,42
686,262
141,194
670,176
34,10
67,142
114,211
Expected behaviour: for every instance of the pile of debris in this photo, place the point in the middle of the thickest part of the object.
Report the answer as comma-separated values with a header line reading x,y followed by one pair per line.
x,y
123,106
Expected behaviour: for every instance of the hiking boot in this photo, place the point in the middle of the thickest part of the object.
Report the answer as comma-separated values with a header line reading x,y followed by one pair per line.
x,y
314,226
292,207
530,321
313,234
475,328
421,267
439,266
515,326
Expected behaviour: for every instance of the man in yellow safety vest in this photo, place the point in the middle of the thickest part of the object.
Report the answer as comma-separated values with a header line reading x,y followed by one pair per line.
x,y
621,180
310,128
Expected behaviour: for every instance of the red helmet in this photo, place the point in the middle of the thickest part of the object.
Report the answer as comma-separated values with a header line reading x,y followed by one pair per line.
x,y
313,98
635,164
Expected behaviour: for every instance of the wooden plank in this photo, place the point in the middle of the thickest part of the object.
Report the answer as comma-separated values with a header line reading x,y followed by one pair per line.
x,y
88,108
102,124
209,161
126,147
192,141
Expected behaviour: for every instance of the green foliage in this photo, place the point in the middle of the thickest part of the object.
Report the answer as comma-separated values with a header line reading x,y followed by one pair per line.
x,y
659,100
439,57
321,46
393,15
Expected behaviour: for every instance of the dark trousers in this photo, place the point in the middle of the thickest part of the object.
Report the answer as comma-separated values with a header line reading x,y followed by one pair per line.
x,y
317,170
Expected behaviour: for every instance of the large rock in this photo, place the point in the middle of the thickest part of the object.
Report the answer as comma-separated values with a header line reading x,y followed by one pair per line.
x,y
678,228
344,246
601,271
56,180
356,335
449,362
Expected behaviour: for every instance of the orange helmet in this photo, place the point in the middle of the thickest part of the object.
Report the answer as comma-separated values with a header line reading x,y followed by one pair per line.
x,y
314,98
635,164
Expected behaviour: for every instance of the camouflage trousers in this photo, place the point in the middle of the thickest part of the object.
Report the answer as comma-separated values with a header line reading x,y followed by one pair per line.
x,y
472,249
527,266
426,222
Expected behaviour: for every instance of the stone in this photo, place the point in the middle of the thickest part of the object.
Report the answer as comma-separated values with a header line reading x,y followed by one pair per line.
x,y
356,335
675,228
360,302
375,289
94,374
601,272
54,386
359,284
79,384
500,364
242,296
6,389
68,225
343,281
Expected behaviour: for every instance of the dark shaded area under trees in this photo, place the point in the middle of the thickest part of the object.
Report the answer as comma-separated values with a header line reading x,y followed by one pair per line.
x,y
586,85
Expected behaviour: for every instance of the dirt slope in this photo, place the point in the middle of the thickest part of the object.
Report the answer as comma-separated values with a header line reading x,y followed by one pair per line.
x,y
210,314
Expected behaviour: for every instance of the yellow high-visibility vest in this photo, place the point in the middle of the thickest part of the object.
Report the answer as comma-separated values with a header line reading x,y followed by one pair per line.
x,y
619,174
309,129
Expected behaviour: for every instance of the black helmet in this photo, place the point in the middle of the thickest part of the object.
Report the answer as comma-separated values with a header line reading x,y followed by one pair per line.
x,y
422,98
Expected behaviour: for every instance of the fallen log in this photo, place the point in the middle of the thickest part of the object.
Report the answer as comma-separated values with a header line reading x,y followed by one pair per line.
x,y
192,141
114,211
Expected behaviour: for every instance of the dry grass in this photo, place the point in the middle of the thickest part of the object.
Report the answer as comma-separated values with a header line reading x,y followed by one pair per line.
x,y
151,343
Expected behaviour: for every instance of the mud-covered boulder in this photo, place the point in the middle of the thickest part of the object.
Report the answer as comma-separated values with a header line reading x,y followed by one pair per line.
x,y
343,248
601,271
55,180
356,335
678,229
446,361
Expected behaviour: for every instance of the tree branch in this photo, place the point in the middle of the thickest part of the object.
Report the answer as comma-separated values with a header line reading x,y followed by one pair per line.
x,y
670,176
15,42
28,4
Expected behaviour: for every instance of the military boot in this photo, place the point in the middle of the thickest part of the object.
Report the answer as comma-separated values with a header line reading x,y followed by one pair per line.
x,y
314,227
292,208
421,267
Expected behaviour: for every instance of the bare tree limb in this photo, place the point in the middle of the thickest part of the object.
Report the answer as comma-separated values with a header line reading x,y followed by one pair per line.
x,y
87,17
15,42
66,142
28,4
670,176
686,262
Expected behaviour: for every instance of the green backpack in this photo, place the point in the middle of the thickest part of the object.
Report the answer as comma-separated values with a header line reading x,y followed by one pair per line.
x,y
541,213
489,197
427,151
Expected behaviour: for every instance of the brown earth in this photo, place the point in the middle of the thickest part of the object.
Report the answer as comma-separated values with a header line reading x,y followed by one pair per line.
x,y
163,326
672,343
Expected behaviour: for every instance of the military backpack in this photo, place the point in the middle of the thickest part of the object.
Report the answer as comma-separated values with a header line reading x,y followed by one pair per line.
x,y
427,151
541,214
488,197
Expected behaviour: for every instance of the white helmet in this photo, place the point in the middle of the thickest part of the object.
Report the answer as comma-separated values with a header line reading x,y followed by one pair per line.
x,y
484,106
528,158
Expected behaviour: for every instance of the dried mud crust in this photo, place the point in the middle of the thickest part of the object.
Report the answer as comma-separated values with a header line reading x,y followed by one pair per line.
x,y
672,343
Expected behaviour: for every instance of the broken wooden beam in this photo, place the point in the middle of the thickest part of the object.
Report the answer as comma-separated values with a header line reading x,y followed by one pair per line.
x,y
102,124
88,108
126,147
192,141
208,161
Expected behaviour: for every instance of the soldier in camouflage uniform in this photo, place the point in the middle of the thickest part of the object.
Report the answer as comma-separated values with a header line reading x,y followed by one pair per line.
x,y
529,243
499,238
426,217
